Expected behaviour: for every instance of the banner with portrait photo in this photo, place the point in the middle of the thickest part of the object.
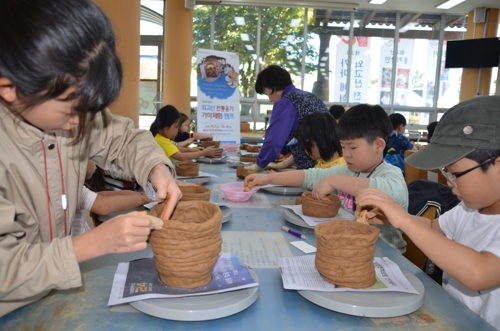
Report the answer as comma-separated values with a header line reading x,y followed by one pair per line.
x,y
218,111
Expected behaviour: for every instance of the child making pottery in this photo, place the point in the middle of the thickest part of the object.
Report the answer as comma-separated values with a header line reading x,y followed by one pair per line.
x,y
184,138
58,73
363,132
464,241
165,128
317,133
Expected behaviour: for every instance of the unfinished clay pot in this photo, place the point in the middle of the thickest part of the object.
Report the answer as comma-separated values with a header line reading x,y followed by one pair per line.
x,y
252,149
207,143
248,159
187,168
243,146
253,142
186,249
241,172
298,200
345,253
195,192
320,208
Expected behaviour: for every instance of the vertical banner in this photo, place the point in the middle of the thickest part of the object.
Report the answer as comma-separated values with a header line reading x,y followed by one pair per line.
x,y
403,72
360,70
218,111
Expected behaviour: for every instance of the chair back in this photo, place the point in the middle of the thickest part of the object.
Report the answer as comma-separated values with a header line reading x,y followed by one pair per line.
x,y
412,173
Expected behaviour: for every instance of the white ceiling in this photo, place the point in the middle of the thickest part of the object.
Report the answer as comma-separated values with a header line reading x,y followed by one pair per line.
x,y
409,6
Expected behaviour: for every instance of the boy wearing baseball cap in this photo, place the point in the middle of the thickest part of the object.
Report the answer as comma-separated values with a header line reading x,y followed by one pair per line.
x,y
465,241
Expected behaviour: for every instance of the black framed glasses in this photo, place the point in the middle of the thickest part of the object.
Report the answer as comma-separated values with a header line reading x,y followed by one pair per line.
x,y
451,177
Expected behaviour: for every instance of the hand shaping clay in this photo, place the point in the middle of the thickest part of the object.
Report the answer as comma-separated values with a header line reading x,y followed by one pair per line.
x,y
345,251
187,247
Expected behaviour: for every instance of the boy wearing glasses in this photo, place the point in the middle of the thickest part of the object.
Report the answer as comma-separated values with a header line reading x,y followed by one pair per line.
x,y
465,241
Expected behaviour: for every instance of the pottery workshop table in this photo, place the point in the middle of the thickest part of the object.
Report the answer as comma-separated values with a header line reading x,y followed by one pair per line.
x,y
86,308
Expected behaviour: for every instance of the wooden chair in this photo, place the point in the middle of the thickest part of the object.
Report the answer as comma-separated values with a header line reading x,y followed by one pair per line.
x,y
412,174
413,253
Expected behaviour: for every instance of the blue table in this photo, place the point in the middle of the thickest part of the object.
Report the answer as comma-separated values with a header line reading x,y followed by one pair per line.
x,y
276,309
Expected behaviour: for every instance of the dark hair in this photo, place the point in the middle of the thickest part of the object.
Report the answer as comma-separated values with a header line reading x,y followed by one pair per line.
x,y
273,77
50,46
183,118
321,129
97,182
165,118
397,120
364,121
481,155
337,111
430,129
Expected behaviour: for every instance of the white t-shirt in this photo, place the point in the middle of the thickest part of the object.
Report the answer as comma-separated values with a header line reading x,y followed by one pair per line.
x,y
481,233
87,200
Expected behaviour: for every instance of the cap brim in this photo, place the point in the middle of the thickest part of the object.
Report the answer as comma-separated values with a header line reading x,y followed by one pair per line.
x,y
435,156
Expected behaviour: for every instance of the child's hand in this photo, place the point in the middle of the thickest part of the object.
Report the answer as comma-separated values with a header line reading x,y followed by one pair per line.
x,y
166,188
211,151
322,189
124,233
256,180
387,210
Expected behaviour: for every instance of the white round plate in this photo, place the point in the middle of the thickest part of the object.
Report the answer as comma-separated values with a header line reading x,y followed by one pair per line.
x,y
203,159
227,214
293,218
200,308
374,304
284,190
196,179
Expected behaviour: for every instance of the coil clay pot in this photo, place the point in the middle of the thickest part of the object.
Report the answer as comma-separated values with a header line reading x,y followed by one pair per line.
x,y
187,168
207,143
345,251
186,249
195,192
320,208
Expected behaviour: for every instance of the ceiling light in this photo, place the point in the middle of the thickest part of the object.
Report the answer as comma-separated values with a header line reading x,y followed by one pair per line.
x,y
249,47
239,20
377,2
245,37
448,4
455,29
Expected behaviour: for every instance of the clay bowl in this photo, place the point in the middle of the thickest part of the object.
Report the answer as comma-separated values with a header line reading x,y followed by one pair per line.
x,y
345,252
208,143
320,208
253,142
186,249
194,193
187,168
243,146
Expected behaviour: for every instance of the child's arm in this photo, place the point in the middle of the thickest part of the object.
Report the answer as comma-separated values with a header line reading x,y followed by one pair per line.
x,y
288,178
476,270
200,135
110,202
348,184
185,143
121,234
